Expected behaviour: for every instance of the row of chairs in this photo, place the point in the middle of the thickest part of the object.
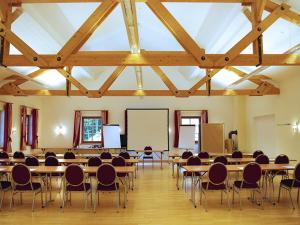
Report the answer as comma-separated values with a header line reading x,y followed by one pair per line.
x,y
22,182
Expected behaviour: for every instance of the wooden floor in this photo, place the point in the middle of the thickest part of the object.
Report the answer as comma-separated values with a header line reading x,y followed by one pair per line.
x,y
155,200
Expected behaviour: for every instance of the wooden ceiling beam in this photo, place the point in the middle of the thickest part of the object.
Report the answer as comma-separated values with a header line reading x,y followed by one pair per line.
x,y
165,79
12,17
150,58
177,30
86,30
288,15
203,80
110,80
260,8
32,75
94,93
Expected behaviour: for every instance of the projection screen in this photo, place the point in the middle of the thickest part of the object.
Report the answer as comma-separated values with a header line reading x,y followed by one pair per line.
x,y
147,127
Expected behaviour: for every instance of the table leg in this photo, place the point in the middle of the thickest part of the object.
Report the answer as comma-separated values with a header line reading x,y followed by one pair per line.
x,y
173,164
125,192
193,190
177,176
161,159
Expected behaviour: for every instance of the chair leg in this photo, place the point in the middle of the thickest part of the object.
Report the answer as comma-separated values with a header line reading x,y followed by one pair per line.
x,y
21,198
42,201
290,192
279,193
239,192
298,195
233,195
2,197
205,198
33,201
228,201
221,197
11,199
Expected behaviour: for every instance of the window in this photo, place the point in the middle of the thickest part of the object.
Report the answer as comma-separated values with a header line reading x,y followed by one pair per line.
x,y
91,130
1,129
192,121
28,136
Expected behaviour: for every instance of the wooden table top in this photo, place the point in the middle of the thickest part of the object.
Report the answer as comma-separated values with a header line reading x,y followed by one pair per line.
x,y
154,150
236,168
230,160
76,160
61,169
177,154
80,155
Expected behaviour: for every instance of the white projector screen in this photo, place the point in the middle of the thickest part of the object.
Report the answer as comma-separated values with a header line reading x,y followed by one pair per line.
x,y
148,127
111,135
187,137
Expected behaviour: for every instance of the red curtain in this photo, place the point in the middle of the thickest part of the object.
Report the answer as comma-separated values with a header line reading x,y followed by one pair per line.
x,y
7,127
23,113
177,123
204,116
35,118
104,116
76,132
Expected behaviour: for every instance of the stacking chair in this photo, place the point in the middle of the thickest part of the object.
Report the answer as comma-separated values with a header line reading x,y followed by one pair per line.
x,y
4,187
69,155
47,154
120,161
147,154
237,154
32,161
289,184
217,181
263,159
186,154
107,182
75,182
22,182
52,161
126,155
105,155
221,159
18,155
192,161
4,155
257,153
251,177
203,155
94,161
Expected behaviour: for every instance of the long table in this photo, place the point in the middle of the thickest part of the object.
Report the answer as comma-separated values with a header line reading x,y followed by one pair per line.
x,y
155,152
81,155
212,155
233,168
61,169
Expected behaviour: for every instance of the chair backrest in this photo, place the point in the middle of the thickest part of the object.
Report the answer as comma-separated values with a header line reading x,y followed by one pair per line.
x,y
21,174
186,154
47,154
217,173
32,161
69,155
118,161
297,172
237,154
252,173
106,174
193,161
282,159
18,155
257,153
74,175
221,159
203,155
148,150
51,161
94,161
262,159
125,155
4,155
105,155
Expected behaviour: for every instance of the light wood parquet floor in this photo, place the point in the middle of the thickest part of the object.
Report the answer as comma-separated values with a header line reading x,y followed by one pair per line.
x,y
155,200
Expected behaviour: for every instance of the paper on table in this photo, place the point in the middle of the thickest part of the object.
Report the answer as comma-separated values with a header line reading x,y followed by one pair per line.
x,y
32,169
240,168
289,167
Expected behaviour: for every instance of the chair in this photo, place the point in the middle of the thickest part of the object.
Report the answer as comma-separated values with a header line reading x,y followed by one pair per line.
x,y
186,154
22,182
69,155
217,181
263,159
251,177
257,153
52,161
126,155
18,155
74,182
107,182
148,154
105,155
32,161
4,187
237,154
47,154
203,155
289,184
94,161
192,161
221,159
4,155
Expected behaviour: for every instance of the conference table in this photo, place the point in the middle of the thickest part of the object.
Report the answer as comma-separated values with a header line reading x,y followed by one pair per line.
x,y
174,155
61,169
80,155
155,152
232,168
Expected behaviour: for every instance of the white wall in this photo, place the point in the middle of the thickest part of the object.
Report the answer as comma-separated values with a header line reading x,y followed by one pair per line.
x,y
60,111
286,108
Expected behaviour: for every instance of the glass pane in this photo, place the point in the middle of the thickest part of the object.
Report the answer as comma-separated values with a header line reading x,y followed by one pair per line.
x,y
195,121
92,129
185,121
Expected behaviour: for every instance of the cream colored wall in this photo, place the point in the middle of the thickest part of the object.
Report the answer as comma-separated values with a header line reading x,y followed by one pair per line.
x,y
60,111
35,102
286,108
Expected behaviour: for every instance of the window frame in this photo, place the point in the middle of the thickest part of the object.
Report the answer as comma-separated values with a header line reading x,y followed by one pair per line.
x,y
28,125
193,117
82,130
